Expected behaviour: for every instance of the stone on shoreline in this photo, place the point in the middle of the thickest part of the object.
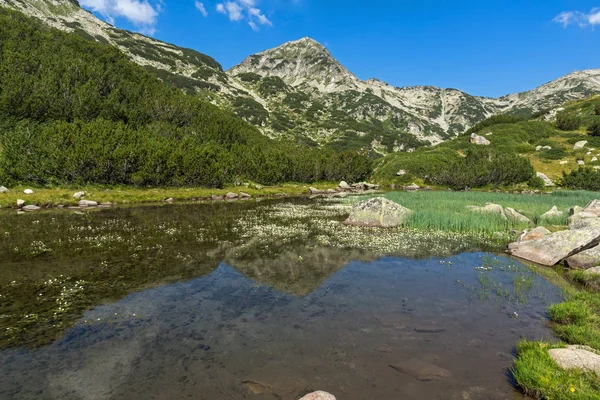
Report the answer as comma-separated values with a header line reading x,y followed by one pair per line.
x,y
412,188
245,195
20,203
231,196
320,395
551,249
532,234
489,208
216,197
31,208
577,357
378,212
515,216
313,190
586,259
88,203
344,186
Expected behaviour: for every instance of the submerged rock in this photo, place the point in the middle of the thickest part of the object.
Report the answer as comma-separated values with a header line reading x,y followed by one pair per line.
x,y
544,177
479,140
421,370
577,357
586,259
320,395
378,212
532,234
551,249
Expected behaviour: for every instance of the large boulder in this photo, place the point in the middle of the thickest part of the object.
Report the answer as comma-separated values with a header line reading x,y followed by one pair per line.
x,y
378,212
489,208
593,207
580,145
28,191
586,259
583,219
479,140
320,395
515,216
231,196
553,213
532,234
344,186
577,357
88,203
551,249
544,177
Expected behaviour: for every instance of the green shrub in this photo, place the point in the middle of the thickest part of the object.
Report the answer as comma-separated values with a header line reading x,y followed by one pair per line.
x,y
567,122
553,154
583,178
536,182
594,128
495,120
597,108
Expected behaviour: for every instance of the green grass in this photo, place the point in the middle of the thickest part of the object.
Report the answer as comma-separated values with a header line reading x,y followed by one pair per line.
x,y
540,377
132,195
448,211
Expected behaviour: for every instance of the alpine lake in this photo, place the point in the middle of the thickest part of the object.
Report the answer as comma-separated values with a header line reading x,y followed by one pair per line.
x,y
254,299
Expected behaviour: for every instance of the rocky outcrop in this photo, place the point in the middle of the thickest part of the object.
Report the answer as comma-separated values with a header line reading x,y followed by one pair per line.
x,y
547,181
586,259
577,357
479,140
532,234
551,249
378,212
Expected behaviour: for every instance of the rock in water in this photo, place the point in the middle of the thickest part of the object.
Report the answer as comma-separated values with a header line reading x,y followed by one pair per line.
x,y
479,140
551,249
544,177
577,357
378,212
532,234
28,191
580,145
320,395
586,259
421,370
31,208
514,216
88,203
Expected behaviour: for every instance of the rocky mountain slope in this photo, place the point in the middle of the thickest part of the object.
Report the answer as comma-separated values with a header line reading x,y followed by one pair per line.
x,y
300,90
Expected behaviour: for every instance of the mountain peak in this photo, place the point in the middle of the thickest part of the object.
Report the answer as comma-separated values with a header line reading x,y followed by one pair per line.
x,y
300,63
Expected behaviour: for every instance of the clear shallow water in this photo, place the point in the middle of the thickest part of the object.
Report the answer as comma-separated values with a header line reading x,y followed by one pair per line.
x,y
275,324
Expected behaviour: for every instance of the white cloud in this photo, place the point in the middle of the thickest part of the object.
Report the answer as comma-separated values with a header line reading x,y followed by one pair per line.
x,y
139,12
200,7
582,19
238,10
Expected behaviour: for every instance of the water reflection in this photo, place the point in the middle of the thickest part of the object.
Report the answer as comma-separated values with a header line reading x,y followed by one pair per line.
x,y
227,336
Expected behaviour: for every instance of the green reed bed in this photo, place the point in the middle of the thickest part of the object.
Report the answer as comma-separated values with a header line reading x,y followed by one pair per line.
x,y
448,210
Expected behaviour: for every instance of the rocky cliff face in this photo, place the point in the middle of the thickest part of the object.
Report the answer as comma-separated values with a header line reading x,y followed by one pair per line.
x,y
299,90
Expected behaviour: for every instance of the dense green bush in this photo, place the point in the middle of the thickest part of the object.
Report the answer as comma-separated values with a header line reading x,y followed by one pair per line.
x,y
597,108
553,154
567,122
536,182
495,120
75,111
594,128
582,179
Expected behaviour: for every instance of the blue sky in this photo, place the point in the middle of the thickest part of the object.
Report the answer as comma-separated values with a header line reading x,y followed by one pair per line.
x,y
487,48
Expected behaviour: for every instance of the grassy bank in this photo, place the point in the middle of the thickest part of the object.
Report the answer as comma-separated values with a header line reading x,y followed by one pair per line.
x,y
448,211
132,195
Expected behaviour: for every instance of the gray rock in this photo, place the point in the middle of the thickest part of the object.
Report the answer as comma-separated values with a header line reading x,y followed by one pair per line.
x,y
551,249
20,203
79,195
412,188
378,212
358,186
331,191
421,370
371,186
170,200
88,203
489,208
320,395
547,181
313,190
586,259
28,191
593,271
577,357
553,213
532,234
3,189
580,145
216,197
231,196
402,172
583,219
344,185
538,148
515,216
575,210
244,195
31,208
593,207
547,148
580,162
479,140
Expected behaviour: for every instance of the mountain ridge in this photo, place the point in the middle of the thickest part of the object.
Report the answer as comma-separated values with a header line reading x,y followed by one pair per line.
x,y
300,90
